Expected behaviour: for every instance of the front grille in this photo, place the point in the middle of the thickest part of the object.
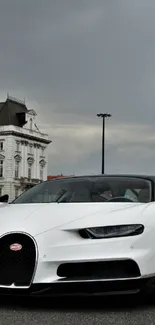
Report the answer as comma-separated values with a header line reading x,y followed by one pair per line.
x,y
17,267
99,270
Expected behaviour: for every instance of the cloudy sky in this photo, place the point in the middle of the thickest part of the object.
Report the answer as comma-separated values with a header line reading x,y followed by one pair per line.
x,y
71,59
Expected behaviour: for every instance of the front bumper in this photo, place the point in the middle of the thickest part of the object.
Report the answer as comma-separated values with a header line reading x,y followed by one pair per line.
x,y
139,249
72,249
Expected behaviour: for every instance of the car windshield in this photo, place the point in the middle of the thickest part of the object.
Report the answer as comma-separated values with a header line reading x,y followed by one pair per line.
x,y
95,189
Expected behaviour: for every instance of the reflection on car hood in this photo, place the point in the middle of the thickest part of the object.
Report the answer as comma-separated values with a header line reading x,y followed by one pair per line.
x,y
38,218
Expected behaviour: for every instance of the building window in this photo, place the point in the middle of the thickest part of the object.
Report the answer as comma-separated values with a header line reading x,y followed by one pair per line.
x,y
16,192
30,148
29,172
42,151
17,147
16,169
1,146
41,173
1,168
30,123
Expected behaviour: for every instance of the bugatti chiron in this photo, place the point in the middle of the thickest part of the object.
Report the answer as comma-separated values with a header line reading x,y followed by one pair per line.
x,y
80,235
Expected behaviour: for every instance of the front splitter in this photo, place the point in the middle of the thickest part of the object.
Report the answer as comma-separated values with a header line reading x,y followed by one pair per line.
x,y
118,287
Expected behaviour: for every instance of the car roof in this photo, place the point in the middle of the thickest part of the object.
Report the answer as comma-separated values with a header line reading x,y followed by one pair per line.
x,y
91,177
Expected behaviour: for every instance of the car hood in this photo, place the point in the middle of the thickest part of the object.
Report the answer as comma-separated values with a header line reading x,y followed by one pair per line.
x,y
39,218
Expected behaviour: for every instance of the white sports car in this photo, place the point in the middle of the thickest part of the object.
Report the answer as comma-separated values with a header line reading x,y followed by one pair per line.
x,y
86,235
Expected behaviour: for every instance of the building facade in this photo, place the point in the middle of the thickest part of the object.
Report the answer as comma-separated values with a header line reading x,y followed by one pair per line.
x,y
23,149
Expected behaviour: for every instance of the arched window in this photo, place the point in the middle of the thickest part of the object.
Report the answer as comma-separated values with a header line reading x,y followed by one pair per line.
x,y
29,171
41,173
1,168
16,168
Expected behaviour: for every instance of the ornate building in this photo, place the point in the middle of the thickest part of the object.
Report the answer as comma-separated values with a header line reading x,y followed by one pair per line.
x,y
23,149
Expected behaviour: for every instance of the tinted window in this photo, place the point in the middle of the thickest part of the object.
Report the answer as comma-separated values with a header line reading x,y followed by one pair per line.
x,y
99,189
134,189
57,191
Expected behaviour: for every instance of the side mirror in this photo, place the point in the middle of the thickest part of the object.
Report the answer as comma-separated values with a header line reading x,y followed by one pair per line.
x,y
4,198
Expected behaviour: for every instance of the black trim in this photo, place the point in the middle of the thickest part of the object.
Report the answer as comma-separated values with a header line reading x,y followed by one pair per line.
x,y
146,285
146,177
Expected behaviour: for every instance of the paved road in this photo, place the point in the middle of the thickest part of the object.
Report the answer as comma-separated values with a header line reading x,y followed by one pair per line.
x,y
67,312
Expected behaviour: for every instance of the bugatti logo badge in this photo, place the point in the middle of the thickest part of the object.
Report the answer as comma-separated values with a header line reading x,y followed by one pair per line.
x,y
15,247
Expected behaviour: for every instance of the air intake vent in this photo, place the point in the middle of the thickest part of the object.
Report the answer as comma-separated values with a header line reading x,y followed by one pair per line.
x,y
99,270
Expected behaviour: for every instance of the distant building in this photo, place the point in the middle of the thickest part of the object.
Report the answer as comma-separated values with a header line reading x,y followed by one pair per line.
x,y
23,149
50,177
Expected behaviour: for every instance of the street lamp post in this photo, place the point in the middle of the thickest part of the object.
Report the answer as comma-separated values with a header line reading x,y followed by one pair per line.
x,y
103,116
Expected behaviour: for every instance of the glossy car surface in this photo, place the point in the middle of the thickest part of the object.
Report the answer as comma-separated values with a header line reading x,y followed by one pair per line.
x,y
89,235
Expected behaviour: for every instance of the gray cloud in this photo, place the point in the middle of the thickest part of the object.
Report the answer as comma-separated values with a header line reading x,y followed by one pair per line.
x,y
72,59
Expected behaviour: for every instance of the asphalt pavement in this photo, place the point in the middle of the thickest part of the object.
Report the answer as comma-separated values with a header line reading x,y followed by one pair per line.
x,y
83,311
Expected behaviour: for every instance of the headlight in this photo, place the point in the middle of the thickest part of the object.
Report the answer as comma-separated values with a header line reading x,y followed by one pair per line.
x,y
115,231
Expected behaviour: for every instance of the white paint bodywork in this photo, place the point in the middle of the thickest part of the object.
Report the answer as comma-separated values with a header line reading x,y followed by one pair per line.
x,y
54,228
